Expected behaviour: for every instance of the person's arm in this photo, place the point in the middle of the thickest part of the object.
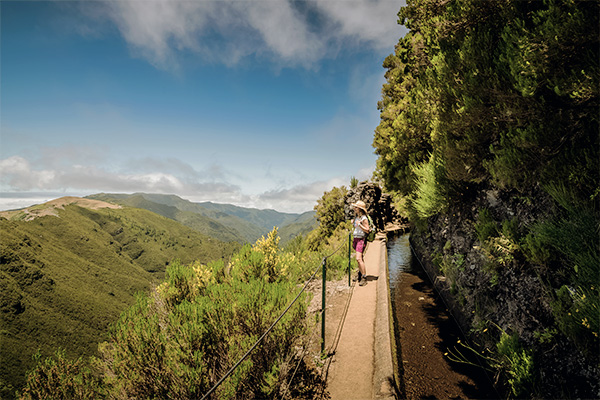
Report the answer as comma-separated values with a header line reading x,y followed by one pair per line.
x,y
364,225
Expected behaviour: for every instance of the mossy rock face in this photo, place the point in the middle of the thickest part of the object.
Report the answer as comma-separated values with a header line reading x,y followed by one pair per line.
x,y
517,295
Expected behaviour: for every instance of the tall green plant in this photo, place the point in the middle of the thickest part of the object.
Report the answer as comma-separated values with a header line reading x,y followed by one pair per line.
x,y
517,363
429,197
573,235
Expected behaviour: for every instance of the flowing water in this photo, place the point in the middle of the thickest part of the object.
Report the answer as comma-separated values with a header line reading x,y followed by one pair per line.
x,y
400,259
427,335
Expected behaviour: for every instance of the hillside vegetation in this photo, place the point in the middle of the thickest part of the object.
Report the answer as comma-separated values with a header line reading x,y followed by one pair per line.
x,y
179,337
222,221
69,274
489,134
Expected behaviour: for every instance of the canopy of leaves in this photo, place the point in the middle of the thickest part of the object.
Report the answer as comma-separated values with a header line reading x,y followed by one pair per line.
x,y
500,91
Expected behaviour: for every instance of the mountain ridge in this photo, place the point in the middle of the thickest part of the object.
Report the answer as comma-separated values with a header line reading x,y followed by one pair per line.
x,y
223,221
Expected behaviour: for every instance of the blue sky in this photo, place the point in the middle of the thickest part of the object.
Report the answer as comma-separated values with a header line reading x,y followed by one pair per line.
x,y
264,103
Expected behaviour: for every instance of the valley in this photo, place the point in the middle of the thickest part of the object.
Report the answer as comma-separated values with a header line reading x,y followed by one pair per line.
x,y
69,267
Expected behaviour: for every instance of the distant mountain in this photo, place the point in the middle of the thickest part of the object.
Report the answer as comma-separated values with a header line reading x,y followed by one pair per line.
x,y
222,221
185,214
67,271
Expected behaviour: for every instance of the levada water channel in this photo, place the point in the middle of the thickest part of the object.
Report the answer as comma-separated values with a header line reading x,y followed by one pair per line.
x,y
427,336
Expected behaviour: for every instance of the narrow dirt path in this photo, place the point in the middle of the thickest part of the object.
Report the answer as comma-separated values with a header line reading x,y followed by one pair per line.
x,y
360,364
425,333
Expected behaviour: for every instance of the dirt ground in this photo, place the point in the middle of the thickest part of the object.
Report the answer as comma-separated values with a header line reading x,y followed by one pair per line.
x,y
49,208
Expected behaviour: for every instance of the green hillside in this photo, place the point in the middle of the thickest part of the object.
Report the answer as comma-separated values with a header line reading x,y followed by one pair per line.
x,y
65,279
223,221
178,210
266,219
302,225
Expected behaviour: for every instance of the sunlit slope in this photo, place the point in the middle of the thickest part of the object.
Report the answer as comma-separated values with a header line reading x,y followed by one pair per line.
x,y
64,278
222,221
185,215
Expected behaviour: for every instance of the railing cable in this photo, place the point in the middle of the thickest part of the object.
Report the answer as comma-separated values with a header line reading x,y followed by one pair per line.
x,y
305,346
332,347
336,250
237,364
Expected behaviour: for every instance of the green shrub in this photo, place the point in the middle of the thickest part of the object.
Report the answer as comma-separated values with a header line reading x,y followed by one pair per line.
x,y
485,226
572,241
517,363
330,211
60,378
577,313
162,348
429,197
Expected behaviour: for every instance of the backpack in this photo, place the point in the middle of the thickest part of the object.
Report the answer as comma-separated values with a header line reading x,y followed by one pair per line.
x,y
373,231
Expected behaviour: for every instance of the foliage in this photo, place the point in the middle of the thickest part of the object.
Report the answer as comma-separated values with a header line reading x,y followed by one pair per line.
x,y
503,95
517,363
429,198
330,214
504,92
60,378
64,279
265,260
178,342
180,339
485,226
573,234
509,359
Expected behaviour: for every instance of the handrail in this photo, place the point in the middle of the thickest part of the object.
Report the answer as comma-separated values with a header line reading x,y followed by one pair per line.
x,y
309,339
239,362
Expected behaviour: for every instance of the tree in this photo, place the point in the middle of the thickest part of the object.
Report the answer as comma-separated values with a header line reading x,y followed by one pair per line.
x,y
504,92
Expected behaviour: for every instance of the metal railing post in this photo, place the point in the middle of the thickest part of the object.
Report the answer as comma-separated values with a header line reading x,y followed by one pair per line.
x,y
323,305
349,257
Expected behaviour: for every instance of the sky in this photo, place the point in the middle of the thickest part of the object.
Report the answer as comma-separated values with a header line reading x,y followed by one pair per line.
x,y
258,103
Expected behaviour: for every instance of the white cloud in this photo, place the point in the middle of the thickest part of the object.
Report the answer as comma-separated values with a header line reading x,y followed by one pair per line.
x,y
288,32
298,198
19,175
370,21
16,172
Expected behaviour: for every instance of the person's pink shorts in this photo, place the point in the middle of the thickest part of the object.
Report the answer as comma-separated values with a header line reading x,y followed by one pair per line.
x,y
359,245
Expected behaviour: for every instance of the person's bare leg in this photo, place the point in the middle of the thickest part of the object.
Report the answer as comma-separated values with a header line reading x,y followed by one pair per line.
x,y
361,264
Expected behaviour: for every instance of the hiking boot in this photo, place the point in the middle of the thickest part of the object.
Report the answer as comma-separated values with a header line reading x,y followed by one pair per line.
x,y
363,281
357,278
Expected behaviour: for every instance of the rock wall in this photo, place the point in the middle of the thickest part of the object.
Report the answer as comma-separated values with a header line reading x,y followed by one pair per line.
x,y
379,204
515,299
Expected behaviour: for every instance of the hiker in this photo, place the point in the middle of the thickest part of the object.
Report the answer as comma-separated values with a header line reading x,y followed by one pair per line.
x,y
361,229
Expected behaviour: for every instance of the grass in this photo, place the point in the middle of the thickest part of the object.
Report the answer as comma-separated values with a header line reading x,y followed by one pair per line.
x,y
65,279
